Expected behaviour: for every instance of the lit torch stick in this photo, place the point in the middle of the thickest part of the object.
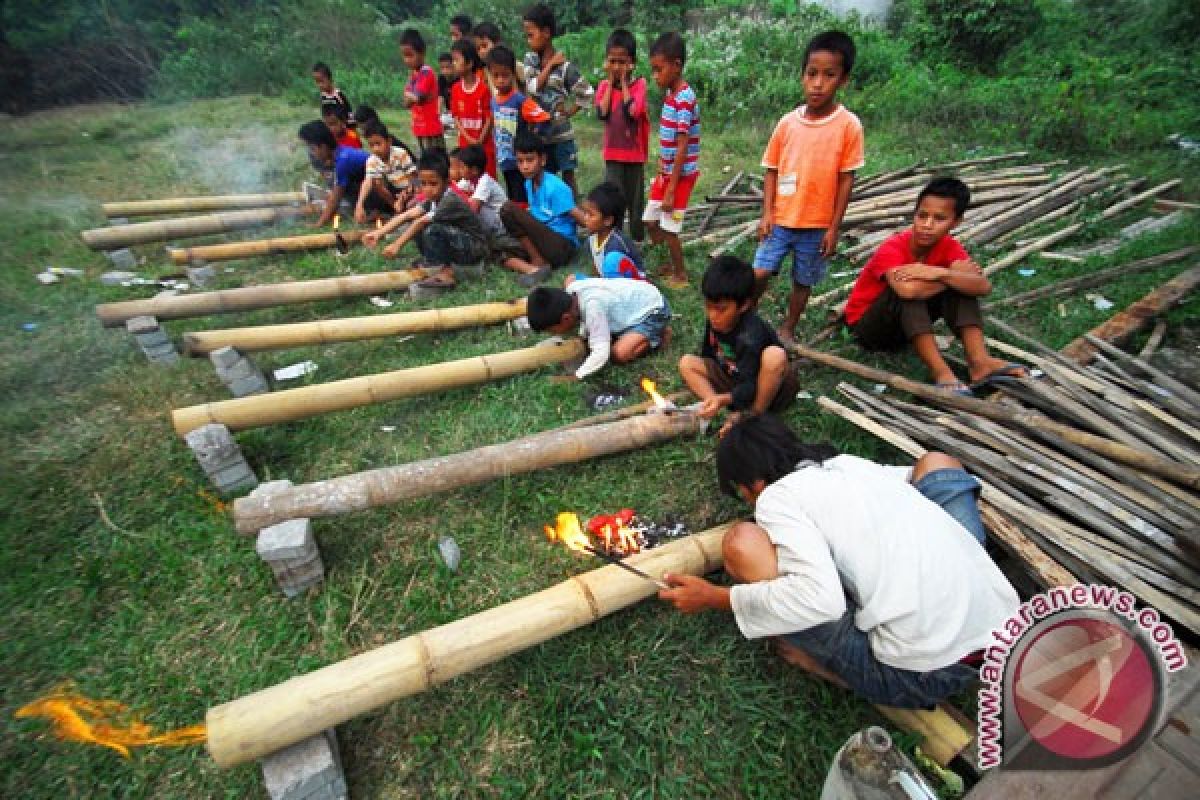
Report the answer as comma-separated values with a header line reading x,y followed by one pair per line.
x,y
567,530
660,402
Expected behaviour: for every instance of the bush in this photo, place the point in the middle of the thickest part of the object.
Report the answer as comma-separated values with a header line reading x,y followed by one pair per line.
x,y
971,32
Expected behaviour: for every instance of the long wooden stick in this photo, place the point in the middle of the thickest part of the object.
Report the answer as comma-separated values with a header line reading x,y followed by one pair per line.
x,y
348,329
190,205
308,401
183,227
1184,474
249,298
389,485
263,247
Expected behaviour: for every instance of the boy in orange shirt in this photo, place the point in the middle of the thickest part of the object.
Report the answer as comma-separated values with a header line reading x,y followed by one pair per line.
x,y
810,163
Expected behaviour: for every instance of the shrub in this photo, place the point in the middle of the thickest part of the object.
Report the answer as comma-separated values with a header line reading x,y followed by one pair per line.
x,y
972,32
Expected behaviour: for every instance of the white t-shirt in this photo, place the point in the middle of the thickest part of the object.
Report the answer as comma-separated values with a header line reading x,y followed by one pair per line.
x,y
927,592
491,196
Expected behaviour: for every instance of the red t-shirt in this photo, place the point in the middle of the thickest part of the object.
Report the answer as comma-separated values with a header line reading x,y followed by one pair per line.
x,y
350,139
425,120
895,252
472,109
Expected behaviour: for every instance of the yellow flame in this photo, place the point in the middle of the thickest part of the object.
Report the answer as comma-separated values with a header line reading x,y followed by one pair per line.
x,y
652,389
104,722
337,220
567,530
378,223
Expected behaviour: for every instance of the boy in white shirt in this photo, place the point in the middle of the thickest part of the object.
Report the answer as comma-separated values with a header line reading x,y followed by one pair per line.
x,y
872,577
486,195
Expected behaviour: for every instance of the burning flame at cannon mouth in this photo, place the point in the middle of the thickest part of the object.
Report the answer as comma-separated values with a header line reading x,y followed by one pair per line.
x,y
610,530
104,722
337,220
651,388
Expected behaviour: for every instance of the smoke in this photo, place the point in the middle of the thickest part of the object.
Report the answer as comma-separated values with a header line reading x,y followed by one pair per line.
x,y
245,159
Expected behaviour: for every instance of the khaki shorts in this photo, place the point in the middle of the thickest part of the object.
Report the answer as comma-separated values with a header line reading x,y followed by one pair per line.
x,y
722,383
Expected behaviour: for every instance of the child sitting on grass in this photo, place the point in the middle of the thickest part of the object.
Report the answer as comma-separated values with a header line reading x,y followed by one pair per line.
x,y
471,102
328,93
546,230
810,163
679,154
391,176
621,105
486,196
922,274
621,319
512,113
741,365
446,230
348,166
337,119
613,255
421,92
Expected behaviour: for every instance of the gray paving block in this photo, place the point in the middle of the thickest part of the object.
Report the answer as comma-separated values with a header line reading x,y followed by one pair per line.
x,y
155,338
292,539
224,357
307,770
243,387
234,479
241,369
122,259
163,357
142,324
212,442
200,276
271,487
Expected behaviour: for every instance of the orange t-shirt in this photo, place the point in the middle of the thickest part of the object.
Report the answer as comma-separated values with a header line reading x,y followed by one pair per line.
x,y
809,154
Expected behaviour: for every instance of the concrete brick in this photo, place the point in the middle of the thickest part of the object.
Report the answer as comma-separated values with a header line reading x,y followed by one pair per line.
x,y
289,540
224,357
155,338
271,487
307,770
221,459
244,387
201,276
122,259
164,357
142,324
242,369
234,479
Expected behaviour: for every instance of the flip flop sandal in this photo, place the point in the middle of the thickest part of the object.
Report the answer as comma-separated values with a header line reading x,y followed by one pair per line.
x,y
532,279
956,387
1001,376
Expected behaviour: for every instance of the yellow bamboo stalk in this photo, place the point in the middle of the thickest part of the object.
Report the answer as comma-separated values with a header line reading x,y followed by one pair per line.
x,y
249,298
388,485
189,205
112,238
262,247
349,329
308,401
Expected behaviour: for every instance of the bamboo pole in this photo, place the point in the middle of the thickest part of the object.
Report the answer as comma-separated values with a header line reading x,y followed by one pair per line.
x,y
249,298
349,329
273,718
1187,475
1162,188
389,485
263,247
162,230
308,401
190,205
1137,316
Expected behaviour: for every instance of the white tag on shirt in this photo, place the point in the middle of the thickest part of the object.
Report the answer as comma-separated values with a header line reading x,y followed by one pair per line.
x,y
787,185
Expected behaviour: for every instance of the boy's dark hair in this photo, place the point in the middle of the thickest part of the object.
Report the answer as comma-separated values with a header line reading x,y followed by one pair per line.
x,y
610,200
832,42
529,142
317,132
444,58
546,306
411,37
623,39
761,447
728,278
473,156
323,68
335,110
541,16
670,45
376,128
365,114
463,23
502,56
435,160
487,30
466,48
953,188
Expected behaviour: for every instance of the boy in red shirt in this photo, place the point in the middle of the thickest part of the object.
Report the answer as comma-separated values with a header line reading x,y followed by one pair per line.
x,y
471,102
421,92
922,274
621,105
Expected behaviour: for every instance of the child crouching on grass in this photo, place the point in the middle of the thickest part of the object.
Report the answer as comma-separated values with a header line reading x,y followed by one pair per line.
x,y
446,230
741,365
346,164
613,254
621,319
547,230
391,176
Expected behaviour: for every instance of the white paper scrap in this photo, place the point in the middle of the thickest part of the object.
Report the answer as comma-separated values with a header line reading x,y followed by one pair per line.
x,y
381,302
295,371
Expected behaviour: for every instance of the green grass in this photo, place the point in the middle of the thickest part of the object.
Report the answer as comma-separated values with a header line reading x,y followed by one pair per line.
x,y
167,609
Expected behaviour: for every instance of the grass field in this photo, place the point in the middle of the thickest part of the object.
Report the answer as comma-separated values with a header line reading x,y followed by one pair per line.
x,y
122,571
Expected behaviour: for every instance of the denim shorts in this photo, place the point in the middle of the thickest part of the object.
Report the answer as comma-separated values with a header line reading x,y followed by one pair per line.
x,y
562,156
652,326
808,265
844,650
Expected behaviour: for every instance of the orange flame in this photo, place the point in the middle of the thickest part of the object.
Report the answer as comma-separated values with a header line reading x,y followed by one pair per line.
x,y
104,722
568,531
652,389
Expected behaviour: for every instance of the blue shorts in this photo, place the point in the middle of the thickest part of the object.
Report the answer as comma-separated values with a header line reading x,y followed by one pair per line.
x,y
562,156
844,650
808,265
652,326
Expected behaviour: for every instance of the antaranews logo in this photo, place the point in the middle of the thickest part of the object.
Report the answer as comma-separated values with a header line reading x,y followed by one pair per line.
x,y
1079,674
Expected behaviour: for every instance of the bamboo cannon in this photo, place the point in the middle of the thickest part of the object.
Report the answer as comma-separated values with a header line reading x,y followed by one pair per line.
x,y
113,238
250,298
263,247
349,329
388,485
309,401
190,205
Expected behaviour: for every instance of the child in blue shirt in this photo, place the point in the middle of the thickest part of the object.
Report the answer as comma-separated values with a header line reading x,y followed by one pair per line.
x,y
546,230
512,112
349,167
613,254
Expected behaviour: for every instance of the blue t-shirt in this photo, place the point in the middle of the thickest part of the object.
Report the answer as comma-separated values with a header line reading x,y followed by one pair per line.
x,y
618,257
551,204
349,166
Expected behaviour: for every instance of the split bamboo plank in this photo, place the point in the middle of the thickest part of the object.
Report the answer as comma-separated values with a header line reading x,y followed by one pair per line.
x,y
162,230
191,205
249,298
349,329
308,401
